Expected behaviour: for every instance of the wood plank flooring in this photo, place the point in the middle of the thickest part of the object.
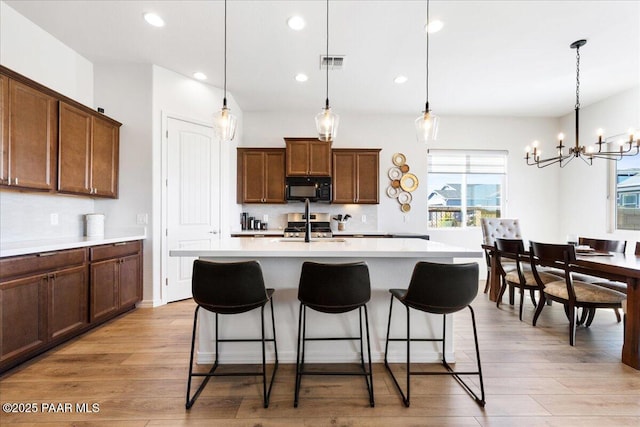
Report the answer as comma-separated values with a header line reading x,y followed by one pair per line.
x,y
134,368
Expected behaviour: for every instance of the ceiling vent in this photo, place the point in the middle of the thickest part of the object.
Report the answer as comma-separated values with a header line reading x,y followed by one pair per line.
x,y
334,62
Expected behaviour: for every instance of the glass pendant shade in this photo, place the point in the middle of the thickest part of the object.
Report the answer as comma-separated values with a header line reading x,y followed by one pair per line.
x,y
225,124
327,124
427,127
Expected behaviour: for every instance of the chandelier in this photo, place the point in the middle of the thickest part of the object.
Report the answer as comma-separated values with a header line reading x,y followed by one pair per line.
x,y
630,147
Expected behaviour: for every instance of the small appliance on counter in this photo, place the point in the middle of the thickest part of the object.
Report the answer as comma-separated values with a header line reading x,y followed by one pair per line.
x,y
251,223
320,225
94,225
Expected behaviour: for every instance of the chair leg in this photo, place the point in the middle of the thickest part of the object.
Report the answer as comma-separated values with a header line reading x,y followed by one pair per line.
x,y
592,314
617,312
521,302
503,288
191,400
298,367
275,349
475,338
405,399
532,294
571,313
511,293
541,303
369,380
487,284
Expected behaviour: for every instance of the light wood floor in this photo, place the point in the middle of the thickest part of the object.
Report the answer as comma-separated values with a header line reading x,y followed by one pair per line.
x,y
135,369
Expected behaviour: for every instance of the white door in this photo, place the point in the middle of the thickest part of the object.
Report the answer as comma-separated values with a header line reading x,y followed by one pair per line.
x,y
193,198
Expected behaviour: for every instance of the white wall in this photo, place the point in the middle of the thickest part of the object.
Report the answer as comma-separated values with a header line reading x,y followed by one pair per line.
x,y
533,194
28,50
177,96
584,203
125,93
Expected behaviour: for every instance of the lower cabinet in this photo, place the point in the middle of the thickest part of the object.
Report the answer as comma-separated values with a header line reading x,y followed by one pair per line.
x,y
115,278
47,298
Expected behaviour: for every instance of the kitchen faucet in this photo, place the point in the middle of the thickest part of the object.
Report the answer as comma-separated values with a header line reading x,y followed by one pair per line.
x,y
307,222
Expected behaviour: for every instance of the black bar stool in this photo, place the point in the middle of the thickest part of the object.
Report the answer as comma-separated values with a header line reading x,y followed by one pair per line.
x,y
439,289
230,288
333,288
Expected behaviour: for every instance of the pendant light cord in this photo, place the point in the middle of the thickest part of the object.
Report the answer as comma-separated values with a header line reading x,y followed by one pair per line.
x,y
577,107
327,59
224,100
426,108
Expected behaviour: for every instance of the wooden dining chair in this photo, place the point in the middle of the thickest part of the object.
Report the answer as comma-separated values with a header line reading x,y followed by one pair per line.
x,y
493,228
573,294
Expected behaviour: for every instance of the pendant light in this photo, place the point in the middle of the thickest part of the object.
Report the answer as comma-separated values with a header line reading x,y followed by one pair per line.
x,y
326,120
427,122
225,122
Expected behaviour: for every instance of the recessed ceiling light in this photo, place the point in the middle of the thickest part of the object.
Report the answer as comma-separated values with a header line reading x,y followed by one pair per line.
x,y
199,76
296,23
400,79
434,26
153,19
300,77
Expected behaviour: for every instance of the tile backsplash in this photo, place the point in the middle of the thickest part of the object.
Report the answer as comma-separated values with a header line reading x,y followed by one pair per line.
x,y
26,216
277,215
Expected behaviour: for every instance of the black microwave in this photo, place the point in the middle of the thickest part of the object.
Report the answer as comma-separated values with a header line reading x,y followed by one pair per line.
x,y
316,189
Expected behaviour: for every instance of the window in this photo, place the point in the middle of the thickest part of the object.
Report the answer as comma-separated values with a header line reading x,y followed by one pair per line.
x,y
627,191
464,186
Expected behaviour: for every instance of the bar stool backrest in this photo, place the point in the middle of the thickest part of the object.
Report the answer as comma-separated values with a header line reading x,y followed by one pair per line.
x,y
442,288
334,288
229,287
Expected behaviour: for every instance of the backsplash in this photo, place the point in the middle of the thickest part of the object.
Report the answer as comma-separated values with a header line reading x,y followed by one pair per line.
x,y
26,216
277,215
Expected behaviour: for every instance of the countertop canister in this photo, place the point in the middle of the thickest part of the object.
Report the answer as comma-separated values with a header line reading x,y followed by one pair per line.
x,y
94,225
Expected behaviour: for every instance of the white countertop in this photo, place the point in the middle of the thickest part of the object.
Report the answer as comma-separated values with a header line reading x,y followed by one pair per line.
x,y
56,244
269,247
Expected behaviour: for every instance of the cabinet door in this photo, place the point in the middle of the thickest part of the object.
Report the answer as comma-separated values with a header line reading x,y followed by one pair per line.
x,y
344,177
251,171
297,158
23,307
68,298
319,158
129,280
104,159
104,299
74,158
367,177
4,128
274,177
33,134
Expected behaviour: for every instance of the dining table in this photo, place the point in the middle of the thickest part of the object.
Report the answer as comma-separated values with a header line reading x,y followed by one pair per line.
x,y
611,266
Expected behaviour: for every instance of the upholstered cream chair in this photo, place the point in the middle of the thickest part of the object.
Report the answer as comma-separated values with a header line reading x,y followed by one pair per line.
x,y
503,228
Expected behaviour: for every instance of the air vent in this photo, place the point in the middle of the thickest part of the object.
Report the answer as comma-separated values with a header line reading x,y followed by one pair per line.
x,y
334,62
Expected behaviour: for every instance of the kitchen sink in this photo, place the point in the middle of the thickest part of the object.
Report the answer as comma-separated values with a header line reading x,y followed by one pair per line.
x,y
301,240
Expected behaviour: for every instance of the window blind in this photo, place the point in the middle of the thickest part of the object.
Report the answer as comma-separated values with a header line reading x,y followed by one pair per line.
x,y
467,161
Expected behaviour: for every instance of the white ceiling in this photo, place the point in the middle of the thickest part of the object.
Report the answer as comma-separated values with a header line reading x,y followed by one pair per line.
x,y
491,58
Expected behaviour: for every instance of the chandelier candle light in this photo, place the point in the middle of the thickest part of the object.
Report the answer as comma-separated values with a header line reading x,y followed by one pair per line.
x,y
629,148
326,120
225,122
427,123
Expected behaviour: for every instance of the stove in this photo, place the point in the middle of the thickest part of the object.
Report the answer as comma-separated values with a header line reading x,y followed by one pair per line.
x,y
320,225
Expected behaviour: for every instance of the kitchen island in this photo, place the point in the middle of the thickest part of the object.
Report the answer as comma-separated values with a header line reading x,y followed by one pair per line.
x,y
390,262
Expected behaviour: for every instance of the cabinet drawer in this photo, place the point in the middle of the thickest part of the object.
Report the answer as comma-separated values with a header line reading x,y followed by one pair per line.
x,y
41,262
115,250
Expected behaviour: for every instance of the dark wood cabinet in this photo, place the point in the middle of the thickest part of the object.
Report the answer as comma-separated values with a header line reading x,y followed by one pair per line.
x,y
116,279
28,136
261,175
47,298
308,157
52,143
88,153
356,176
43,300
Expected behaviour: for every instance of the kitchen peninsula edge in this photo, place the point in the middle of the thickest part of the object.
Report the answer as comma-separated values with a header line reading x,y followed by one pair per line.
x,y
390,261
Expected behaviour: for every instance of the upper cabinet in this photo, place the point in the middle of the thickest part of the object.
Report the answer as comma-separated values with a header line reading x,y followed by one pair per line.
x,y
261,175
29,134
355,176
88,153
308,157
50,142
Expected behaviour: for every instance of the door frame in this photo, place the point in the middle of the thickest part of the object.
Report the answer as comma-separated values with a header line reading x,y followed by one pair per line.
x,y
223,174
